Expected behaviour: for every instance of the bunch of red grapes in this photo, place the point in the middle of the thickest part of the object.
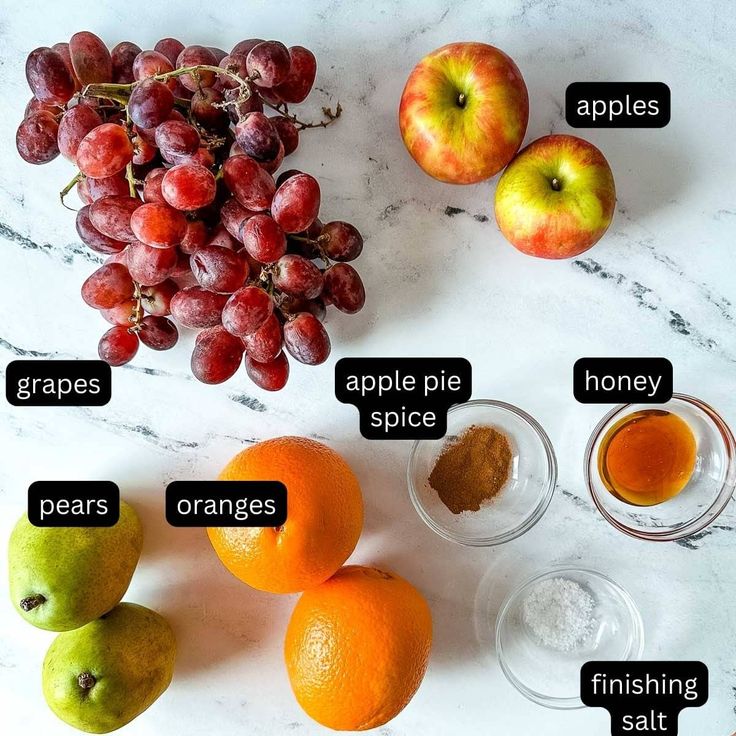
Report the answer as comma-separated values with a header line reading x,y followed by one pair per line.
x,y
175,160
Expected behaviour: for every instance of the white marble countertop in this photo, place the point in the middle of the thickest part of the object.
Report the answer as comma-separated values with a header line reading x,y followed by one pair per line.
x,y
662,282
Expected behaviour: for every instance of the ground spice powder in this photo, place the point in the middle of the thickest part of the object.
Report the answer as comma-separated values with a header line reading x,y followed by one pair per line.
x,y
472,469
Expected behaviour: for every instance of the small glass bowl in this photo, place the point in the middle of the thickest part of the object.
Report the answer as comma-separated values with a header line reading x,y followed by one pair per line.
x,y
522,501
550,677
707,493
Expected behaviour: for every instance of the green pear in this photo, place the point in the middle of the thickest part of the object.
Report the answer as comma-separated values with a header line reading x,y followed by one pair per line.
x,y
63,578
100,677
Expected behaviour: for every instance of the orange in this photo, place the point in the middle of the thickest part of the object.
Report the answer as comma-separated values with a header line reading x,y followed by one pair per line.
x,y
357,648
324,516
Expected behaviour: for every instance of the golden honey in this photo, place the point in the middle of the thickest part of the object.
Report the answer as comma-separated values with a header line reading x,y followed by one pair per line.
x,y
647,457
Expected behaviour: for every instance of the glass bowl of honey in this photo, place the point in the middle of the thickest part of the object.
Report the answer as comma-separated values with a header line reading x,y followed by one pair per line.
x,y
661,472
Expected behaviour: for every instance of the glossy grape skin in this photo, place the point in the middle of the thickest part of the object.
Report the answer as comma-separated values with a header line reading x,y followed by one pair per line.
x,y
158,333
233,216
33,106
143,151
158,225
107,186
152,185
170,48
90,58
296,203
174,136
317,307
273,164
221,237
235,64
344,288
123,55
263,238
120,314
150,63
219,269
270,376
269,63
196,307
252,186
93,238
150,103
297,85
74,125
118,346
37,138
216,356
150,266
203,109
188,187
242,48
306,339
63,50
284,175
112,216
48,76
341,241
265,343
296,276
246,310
257,137
193,56
195,237
107,286
156,300
287,132
104,151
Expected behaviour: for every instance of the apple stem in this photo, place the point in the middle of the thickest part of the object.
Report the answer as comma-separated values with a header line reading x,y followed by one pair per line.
x,y
556,184
86,681
461,99
33,601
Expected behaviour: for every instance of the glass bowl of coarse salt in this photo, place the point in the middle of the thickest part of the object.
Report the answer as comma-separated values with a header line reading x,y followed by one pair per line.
x,y
488,480
557,621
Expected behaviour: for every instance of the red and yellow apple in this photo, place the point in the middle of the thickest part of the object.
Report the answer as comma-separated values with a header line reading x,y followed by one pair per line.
x,y
463,112
556,198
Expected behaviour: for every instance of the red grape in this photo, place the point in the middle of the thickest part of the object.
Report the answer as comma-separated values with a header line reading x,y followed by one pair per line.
x,y
252,186
341,241
263,238
235,64
63,50
104,151
156,300
75,123
158,333
219,269
271,376
170,48
182,269
112,216
195,236
90,58
158,225
37,138
219,53
269,63
300,79
48,76
287,132
152,186
264,344
233,215
118,346
196,307
120,314
149,64
241,109
296,203
150,266
246,310
150,103
344,288
176,137
123,55
194,56
242,48
257,137
217,355
35,106
274,163
83,191
116,184
93,238
143,151
204,111
296,276
188,187
284,175
107,286
220,236
306,339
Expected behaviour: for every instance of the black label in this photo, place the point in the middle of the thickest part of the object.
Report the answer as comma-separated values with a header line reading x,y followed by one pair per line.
x,y
73,503
403,398
58,383
226,503
644,697
617,104
622,380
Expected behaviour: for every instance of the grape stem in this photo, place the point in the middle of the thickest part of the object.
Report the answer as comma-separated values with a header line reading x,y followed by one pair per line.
x,y
301,124
137,315
77,178
317,243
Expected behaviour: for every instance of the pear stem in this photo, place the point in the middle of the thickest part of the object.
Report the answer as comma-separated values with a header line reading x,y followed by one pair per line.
x,y
33,601
86,681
